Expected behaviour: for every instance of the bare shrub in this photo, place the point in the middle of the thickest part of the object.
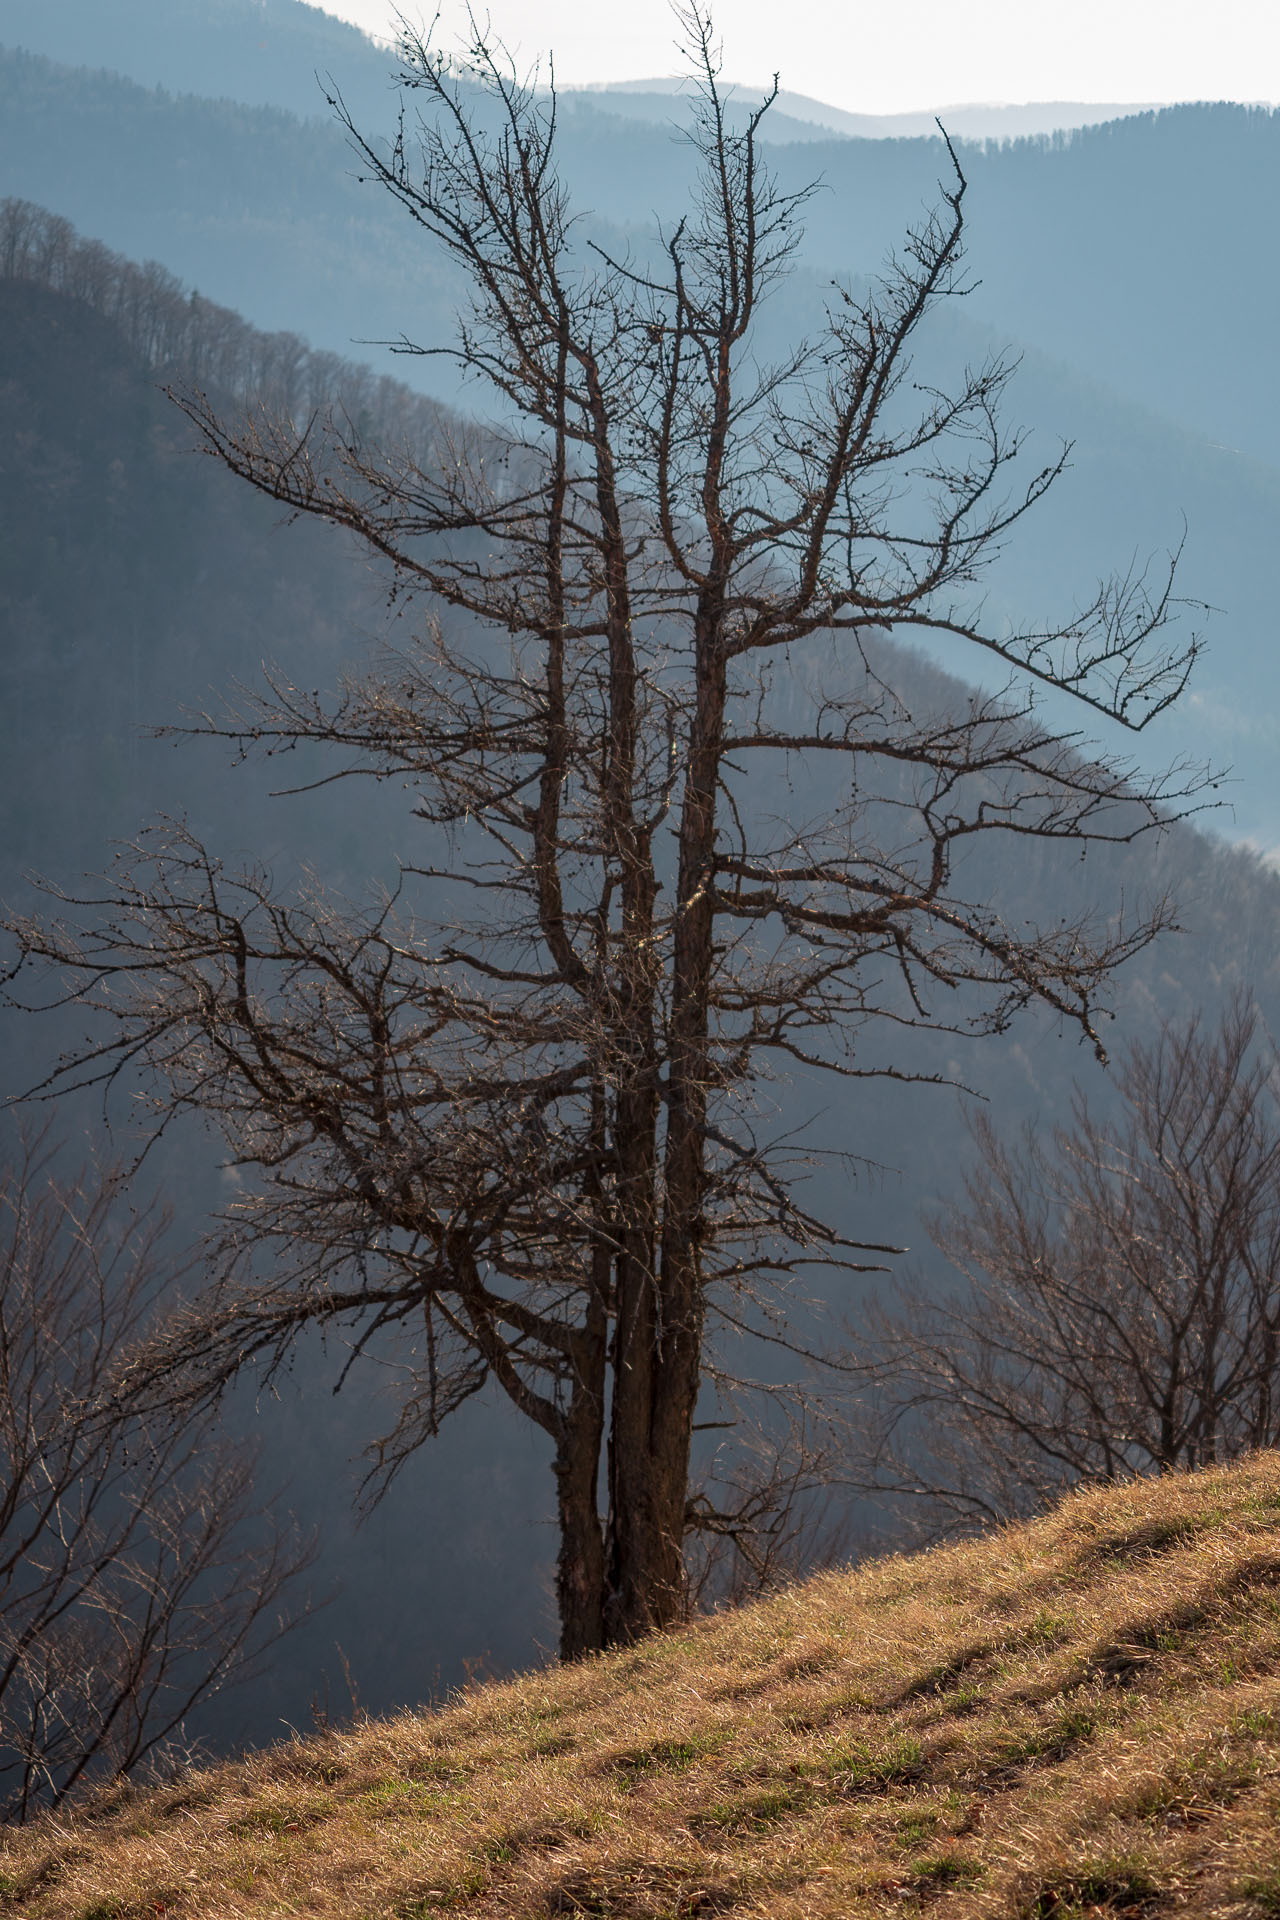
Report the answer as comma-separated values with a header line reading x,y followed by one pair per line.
x,y
138,1573
1121,1307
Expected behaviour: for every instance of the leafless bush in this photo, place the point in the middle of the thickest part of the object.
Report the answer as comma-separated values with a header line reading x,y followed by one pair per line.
x,y
138,1574
1121,1307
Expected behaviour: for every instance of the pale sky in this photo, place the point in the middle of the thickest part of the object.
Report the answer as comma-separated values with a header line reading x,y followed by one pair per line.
x,y
893,56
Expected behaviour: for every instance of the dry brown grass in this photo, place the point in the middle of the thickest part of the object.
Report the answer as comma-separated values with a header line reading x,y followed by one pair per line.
x,y
1076,1717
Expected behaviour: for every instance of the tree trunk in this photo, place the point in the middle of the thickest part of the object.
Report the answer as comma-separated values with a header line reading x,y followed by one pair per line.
x,y
658,1368
580,1567
633,1542
646,1482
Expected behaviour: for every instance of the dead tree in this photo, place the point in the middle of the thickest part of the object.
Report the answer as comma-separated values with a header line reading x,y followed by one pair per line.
x,y
507,1115
1121,1307
136,1574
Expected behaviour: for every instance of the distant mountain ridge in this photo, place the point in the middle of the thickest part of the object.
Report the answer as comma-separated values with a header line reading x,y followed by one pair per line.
x,y
806,118
1162,209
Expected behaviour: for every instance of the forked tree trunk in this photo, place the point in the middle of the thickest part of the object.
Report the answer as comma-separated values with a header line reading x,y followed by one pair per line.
x,y
658,1355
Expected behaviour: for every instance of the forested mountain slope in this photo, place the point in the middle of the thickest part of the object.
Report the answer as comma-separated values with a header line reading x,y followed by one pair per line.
x,y
140,579
1162,209
259,52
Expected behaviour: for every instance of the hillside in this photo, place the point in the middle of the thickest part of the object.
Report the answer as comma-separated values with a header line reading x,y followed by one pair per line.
x,y
800,117
260,52
1073,1717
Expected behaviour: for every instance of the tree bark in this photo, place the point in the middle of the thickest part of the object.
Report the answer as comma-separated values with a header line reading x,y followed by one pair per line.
x,y
580,1586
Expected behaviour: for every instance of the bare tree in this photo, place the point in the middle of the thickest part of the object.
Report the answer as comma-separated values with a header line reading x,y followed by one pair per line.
x,y
511,1116
1121,1312
138,1573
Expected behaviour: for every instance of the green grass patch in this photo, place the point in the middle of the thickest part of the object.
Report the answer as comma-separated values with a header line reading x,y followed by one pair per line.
x,y
665,1756
397,1797
1047,1630
860,1768
1261,1891
499,1850
946,1870
915,1829
754,1812
1054,1740
1256,1723
278,1821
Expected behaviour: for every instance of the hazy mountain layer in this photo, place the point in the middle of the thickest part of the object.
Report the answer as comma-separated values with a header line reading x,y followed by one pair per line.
x,y
1128,250
261,211
259,52
269,52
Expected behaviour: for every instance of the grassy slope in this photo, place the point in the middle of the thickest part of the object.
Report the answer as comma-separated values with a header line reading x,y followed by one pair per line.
x,y
1082,1715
